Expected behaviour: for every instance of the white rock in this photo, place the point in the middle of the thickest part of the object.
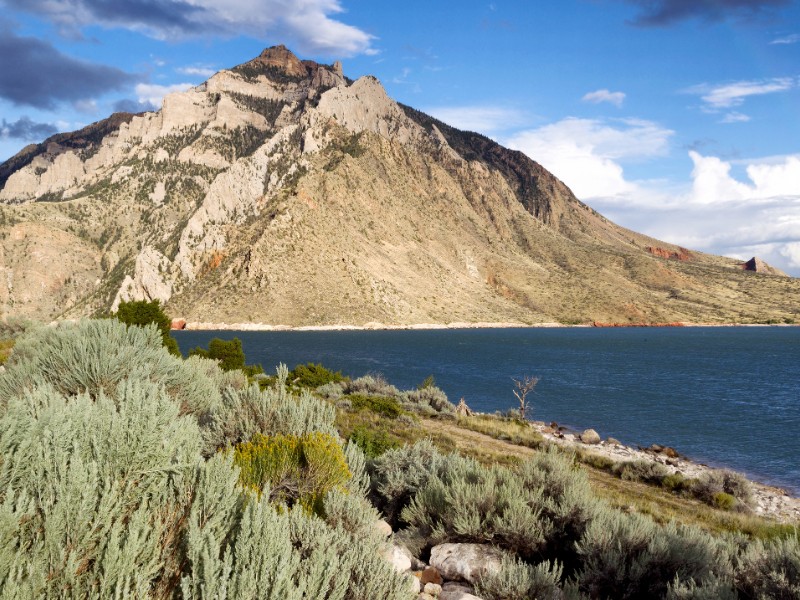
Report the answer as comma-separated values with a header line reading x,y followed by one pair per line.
x,y
465,561
398,558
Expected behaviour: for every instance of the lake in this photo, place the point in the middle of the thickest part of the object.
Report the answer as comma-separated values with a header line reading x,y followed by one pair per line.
x,y
725,396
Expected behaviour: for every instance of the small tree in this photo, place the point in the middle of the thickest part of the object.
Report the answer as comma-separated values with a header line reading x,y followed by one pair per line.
x,y
523,387
141,313
228,353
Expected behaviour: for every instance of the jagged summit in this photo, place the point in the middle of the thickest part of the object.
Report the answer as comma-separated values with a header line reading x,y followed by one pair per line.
x,y
281,192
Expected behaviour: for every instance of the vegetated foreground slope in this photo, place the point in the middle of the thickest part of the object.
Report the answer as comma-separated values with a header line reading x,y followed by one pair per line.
x,y
129,472
281,192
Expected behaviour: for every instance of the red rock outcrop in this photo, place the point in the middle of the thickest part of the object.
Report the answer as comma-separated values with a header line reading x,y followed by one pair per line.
x,y
681,254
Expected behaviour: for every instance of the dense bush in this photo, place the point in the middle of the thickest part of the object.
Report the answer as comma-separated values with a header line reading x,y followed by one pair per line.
x,y
292,469
104,492
645,471
382,405
629,556
370,385
95,356
711,484
313,376
428,398
141,313
228,354
373,442
517,580
770,570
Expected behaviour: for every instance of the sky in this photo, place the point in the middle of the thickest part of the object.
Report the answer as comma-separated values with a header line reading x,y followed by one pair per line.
x,y
675,118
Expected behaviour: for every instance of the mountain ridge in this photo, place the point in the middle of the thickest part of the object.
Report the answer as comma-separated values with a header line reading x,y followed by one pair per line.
x,y
279,191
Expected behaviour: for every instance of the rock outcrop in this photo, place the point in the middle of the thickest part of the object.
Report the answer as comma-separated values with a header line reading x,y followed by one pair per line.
x,y
679,254
757,265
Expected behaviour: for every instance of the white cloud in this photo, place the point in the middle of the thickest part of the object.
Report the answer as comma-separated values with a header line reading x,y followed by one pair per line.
x,y
585,153
152,94
311,25
198,71
720,214
734,94
757,215
788,39
483,119
598,96
792,253
735,117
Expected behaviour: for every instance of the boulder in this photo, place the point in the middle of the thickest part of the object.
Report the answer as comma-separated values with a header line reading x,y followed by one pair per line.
x,y
431,575
613,441
398,557
465,562
416,584
383,528
590,436
434,589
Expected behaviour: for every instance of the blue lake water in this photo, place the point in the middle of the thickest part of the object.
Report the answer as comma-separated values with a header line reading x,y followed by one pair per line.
x,y
727,396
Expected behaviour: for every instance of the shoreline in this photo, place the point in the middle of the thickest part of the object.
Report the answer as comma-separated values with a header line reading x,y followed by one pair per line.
x,y
182,325
771,501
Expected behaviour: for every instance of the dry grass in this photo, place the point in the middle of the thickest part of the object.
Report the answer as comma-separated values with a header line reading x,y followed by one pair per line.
x,y
656,502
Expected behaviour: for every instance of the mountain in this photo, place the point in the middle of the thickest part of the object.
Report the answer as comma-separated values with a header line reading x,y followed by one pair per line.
x,y
282,192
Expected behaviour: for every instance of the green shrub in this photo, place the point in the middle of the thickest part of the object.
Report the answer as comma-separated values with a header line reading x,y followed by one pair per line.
x,y
536,510
382,405
429,397
712,483
243,413
141,313
228,353
676,482
292,469
629,556
641,470
372,442
723,501
369,385
94,356
517,580
713,588
313,375
769,569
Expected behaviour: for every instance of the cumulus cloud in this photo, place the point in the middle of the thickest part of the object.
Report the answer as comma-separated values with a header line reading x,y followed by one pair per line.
x,y
734,94
310,24
667,12
586,153
26,129
483,119
758,215
736,208
34,73
598,96
151,94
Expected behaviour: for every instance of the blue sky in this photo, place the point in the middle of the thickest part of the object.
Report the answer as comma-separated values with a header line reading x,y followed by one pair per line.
x,y
676,118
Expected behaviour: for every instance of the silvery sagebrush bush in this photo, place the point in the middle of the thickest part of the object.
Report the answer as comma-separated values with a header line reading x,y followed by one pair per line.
x,y
108,488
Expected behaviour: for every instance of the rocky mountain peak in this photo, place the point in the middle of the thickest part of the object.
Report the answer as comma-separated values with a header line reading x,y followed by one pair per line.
x,y
282,59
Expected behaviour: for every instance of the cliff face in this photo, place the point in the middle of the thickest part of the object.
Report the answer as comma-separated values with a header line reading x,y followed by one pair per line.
x,y
281,192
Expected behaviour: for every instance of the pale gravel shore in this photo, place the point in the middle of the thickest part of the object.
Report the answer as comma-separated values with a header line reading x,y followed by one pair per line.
x,y
376,326
772,502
